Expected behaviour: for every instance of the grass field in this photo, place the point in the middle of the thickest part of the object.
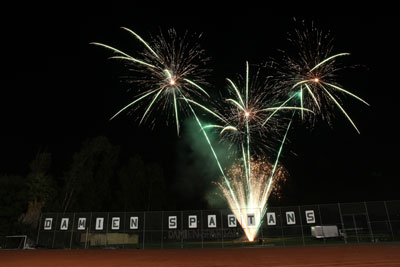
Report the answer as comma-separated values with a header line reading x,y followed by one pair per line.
x,y
354,256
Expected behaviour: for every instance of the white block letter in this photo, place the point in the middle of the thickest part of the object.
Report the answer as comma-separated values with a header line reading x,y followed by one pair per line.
x,y
64,224
231,220
134,223
290,218
192,221
212,221
271,218
99,223
310,217
81,223
115,223
251,220
47,223
172,222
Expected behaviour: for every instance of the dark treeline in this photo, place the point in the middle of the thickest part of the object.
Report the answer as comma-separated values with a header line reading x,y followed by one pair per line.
x,y
98,179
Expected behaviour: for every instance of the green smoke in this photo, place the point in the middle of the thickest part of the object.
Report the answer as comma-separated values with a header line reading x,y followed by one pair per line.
x,y
197,166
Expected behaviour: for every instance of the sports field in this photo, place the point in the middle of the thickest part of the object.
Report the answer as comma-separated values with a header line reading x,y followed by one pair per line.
x,y
357,256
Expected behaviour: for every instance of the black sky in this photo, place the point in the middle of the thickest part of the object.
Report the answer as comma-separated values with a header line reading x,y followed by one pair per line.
x,y
58,90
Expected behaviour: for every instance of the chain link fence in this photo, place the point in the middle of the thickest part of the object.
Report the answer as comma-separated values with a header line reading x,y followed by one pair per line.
x,y
342,223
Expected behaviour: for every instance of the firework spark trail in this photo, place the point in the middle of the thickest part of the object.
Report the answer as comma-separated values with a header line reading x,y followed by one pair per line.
x,y
247,114
270,180
301,101
164,69
276,109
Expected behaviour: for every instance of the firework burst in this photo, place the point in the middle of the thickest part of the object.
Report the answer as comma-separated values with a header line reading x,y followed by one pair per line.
x,y
167,69
249,117
312,74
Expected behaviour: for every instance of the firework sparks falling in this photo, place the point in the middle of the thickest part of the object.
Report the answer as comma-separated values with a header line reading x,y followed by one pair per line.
x,y
168,68
312,73
262,172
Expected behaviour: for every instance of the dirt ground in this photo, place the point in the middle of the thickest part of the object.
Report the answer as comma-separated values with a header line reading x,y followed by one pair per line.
x,y
355,256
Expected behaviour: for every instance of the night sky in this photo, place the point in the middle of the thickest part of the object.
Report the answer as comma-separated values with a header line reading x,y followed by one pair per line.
x,y
58,91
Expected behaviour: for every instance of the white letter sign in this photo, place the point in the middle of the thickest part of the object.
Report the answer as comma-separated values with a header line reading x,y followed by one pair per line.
x,y
99,223
192,221
47,223
64,224
231,220
134,223
290,218
310,216
115,223
172,223
81,223
212,221
271,218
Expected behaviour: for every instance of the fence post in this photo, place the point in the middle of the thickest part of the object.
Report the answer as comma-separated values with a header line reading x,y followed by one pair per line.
x,y
88,230
369,223
181,229
72,231
390,224
202,223
144,227
162,229
262,230
222,230
301,225
355,227
341,221
108,222
40,224
283,237
322,224
55,230
124,230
